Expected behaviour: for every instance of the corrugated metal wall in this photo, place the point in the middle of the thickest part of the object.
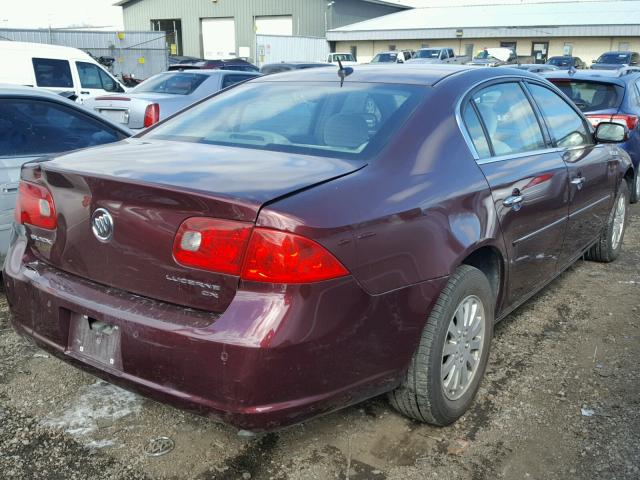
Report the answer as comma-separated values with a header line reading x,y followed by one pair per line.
x,y
276,48
310,17
140,53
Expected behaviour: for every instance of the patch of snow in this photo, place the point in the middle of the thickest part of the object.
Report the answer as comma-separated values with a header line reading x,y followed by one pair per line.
x,y
96,404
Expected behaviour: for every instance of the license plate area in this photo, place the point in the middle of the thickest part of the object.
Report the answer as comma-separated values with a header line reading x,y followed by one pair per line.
x,y
119,116
95,341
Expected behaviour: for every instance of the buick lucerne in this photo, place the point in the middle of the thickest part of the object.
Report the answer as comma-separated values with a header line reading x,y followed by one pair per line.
x,y
311,239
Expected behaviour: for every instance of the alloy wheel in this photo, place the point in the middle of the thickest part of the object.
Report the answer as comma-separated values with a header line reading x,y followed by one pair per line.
x,y
463,347
618,222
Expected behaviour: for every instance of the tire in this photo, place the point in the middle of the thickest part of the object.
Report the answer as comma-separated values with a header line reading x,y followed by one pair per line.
x,y
607,248
422,395
635,188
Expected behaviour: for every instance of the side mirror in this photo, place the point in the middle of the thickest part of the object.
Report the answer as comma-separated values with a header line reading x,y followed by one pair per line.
x,y
607,132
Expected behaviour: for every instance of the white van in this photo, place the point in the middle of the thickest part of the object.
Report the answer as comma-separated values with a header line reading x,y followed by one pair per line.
x,y
56,68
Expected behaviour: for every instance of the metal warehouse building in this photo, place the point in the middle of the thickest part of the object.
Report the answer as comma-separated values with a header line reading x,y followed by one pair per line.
x,y
223,28
541,30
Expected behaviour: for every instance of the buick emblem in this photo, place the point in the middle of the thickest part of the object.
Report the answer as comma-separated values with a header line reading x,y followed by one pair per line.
x,y
102,225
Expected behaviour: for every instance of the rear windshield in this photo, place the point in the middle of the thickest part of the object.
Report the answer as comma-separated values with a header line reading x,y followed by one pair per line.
x,y
173,83
430,53
561,61
322,119
384,58
590,96
613,58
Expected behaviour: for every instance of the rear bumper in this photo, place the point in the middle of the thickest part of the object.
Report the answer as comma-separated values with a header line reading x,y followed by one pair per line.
x,y
277,356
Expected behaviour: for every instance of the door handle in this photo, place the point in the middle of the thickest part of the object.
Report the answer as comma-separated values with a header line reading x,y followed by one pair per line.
x,y
514,201
578,182
84,92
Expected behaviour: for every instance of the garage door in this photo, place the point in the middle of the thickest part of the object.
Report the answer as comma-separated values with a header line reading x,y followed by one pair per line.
x,y
218,38
281,25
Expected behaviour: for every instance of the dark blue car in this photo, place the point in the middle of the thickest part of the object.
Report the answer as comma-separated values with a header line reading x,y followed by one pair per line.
x,y
611,96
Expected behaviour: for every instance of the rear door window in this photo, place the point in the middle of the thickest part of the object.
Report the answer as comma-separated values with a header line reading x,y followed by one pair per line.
x,y
474,127
509,119
591,96
36,127
52,73
565,125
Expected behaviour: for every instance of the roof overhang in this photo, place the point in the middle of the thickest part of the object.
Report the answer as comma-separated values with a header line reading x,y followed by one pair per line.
x,y
542,31
390,3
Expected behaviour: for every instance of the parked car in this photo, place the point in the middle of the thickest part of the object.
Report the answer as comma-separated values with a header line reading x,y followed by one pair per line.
x,y
236,64
278,251
437,55
494,57
615,60
532,67
565,62
347,59
56,68
182,59
270,68
163,95
608,96
35,123
399,56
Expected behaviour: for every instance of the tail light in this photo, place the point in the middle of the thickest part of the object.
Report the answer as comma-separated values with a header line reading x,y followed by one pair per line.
x,y
211,244
629,121
255,254
281,257
151,114
35,206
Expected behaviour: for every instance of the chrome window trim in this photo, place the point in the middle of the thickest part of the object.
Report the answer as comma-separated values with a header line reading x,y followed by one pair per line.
x,y
501,158
515,156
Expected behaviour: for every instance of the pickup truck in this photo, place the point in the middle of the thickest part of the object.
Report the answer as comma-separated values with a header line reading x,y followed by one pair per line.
x,y
437,55
347,59
616,60
494,57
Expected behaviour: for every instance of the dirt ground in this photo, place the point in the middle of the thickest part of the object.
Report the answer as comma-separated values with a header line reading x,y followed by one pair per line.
x,y
561,400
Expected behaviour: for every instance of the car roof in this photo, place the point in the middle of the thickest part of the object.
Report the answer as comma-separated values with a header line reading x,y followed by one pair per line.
x,y
603,76
34,92
205,71
44,49
425,74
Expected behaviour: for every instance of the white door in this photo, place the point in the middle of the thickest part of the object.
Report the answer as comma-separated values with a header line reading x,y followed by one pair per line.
x,y
280,25
218,38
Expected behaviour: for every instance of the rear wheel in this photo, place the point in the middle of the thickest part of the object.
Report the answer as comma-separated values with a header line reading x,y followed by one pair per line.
x,y
635,189
609,245
449,363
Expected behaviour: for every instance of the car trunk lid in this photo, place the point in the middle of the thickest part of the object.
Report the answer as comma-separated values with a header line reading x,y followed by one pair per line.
x,y
149,188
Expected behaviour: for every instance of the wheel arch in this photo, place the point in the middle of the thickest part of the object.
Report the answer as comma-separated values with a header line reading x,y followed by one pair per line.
x,y
490,260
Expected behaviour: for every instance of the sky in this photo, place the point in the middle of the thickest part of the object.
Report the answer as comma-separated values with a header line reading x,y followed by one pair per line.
x,y
59,13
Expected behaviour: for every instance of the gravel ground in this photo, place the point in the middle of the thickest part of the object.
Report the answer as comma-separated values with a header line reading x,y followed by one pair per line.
x,y
561,400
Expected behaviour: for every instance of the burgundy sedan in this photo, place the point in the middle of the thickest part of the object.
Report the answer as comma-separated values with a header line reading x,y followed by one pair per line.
x,y
293,245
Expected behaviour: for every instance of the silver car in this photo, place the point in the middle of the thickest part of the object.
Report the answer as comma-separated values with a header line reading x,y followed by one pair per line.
x,y
35,123
163,95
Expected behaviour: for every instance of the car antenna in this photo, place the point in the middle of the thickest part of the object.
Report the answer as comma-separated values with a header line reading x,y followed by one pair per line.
x,y
572,70
343,72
